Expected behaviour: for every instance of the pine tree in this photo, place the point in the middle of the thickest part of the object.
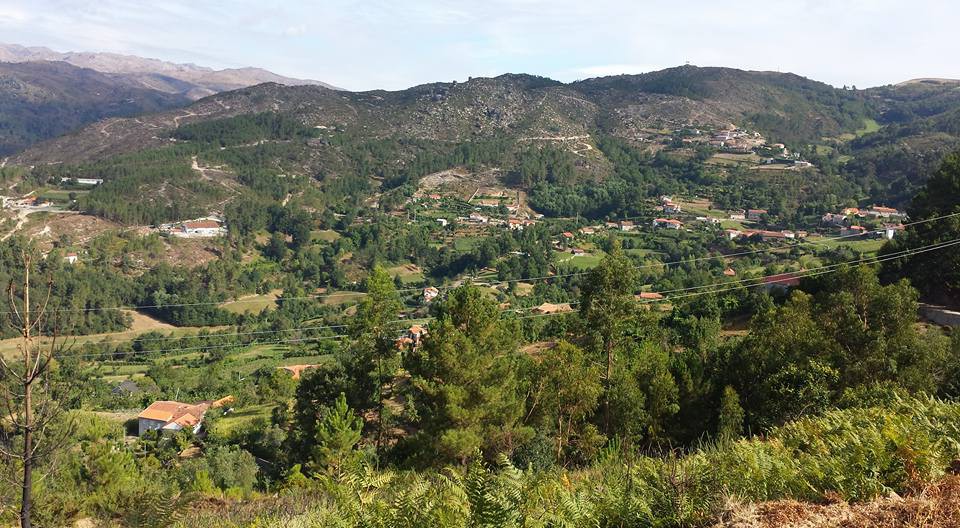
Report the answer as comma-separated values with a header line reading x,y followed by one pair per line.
x,y
730,421
337,435
607,304
464,379
373,355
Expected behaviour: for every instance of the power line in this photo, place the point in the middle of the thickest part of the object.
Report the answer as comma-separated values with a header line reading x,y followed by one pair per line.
x,y
725,286
270,332
444,288
897,254
812,273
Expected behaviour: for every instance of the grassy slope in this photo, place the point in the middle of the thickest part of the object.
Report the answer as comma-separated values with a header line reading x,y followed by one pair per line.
x,y
859,455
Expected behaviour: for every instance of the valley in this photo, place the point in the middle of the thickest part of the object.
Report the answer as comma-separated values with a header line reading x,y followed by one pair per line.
x,y
507,293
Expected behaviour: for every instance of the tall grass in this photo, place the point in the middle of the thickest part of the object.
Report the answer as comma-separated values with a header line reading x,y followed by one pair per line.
x,y
852,454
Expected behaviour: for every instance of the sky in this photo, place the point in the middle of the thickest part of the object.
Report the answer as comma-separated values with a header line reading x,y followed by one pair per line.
x,y
394,44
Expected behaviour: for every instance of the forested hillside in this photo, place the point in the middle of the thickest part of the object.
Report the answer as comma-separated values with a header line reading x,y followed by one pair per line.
x,y
42,100
629,301
553,140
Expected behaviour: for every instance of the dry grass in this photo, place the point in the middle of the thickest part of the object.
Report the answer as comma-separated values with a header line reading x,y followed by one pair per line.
x,y
253,303
936,506
141,324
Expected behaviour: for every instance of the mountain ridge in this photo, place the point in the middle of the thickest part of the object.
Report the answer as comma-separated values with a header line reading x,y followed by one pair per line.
x,y
513,105
40,100
156,74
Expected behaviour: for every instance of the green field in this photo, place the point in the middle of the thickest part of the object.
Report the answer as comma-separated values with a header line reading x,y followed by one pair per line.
x,y
869,126
641,252
242,418
327,235
252,303
583,262
408,274
466,243
864,246
701,208
59,195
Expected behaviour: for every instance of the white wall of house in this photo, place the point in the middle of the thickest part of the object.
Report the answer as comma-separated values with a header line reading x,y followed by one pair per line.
x,y
145,425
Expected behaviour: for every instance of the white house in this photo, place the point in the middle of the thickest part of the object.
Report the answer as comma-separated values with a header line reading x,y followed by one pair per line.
x,y
672,208
889,231
668,223
200,228
430,293
834,219
171,416
82,181
70,258
884,212
853,231
479,218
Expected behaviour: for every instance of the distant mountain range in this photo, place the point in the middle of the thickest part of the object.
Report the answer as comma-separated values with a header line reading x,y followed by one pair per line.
x,y
785,107
884,140
44,93
188,80
41,100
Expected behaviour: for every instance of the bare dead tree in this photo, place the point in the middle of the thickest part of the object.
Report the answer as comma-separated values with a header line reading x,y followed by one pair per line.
x,y
26,396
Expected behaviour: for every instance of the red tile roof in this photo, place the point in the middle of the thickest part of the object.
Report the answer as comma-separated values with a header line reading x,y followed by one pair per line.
x,y
201,224
175,412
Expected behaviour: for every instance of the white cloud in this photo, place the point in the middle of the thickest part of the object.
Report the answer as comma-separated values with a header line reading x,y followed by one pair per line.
x,y
363,44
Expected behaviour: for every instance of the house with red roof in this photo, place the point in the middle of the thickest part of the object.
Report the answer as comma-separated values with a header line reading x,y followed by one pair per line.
x,y
879,211
668,223
648,296
755,214
853,231
171,416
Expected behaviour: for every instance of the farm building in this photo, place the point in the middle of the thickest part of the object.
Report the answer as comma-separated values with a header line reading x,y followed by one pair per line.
x,y
883,212
430,293
648,296
853,231
668,223
202,228
834,219
171,416
756,214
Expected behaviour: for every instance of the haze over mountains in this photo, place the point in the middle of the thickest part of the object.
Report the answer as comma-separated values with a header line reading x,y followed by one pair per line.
x,y
44,93
188,80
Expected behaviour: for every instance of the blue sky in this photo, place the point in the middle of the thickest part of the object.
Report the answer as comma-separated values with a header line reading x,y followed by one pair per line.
x,y
394,44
